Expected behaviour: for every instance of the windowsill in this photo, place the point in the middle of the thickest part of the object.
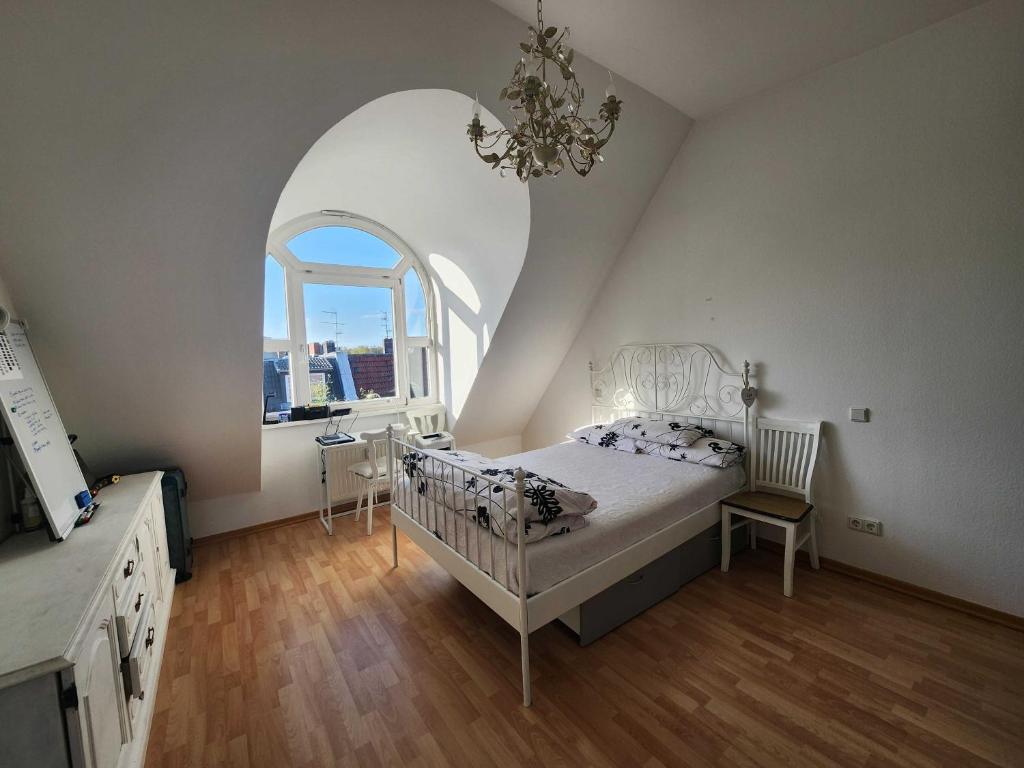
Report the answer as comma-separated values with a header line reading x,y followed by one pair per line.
x,y
286,424
362,410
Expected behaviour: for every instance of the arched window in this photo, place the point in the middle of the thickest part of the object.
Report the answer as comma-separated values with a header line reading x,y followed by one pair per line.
x,y
346,318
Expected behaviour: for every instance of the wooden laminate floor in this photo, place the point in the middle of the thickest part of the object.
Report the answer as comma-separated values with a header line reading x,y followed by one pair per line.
x,y
289,648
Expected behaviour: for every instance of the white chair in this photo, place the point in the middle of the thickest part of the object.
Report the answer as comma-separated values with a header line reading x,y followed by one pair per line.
x,y
430,420
781,491
373,470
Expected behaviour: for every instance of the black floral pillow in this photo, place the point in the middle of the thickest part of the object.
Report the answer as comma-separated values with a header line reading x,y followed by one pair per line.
x,y
708,452
595,434
666,432
607,436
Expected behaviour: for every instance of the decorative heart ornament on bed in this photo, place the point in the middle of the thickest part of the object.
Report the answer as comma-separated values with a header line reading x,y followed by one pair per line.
x,y
748,395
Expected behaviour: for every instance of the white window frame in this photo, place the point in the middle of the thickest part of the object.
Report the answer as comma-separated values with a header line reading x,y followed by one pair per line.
x,y
298,274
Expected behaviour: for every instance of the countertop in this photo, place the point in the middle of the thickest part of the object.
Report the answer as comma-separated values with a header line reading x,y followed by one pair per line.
x,y
47,587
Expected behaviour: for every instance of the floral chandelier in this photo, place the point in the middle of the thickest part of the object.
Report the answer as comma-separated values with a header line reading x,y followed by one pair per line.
x,y
547,130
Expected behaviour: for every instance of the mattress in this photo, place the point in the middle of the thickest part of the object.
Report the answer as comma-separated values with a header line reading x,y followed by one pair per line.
x,y
637,496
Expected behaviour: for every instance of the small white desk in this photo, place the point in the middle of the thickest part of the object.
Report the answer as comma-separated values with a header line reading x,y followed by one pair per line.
x,y
324,454
446,441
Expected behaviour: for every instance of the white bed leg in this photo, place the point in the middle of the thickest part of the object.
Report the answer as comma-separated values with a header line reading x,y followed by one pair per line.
x,y
394,544
726,538
524,645
787,577
813,522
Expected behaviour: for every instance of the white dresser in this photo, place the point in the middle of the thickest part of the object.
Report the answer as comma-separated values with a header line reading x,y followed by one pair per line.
x,y
82,629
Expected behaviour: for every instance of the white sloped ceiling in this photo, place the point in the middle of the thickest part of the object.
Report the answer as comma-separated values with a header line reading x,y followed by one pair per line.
x,y
702,56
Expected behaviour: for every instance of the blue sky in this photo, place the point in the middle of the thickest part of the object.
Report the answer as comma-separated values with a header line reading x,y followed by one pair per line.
x,y
359,308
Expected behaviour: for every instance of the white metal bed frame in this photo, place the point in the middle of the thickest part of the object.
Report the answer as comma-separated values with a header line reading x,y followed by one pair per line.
x,y
681,381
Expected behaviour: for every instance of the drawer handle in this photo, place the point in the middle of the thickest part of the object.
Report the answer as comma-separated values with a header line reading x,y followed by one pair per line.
x,y
149,637
636,578
138,603
129,569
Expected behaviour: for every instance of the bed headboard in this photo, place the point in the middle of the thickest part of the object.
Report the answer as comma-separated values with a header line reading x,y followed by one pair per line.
x,y
684,381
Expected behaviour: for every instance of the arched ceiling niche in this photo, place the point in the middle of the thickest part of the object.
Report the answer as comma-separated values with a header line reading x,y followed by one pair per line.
x,y
404,161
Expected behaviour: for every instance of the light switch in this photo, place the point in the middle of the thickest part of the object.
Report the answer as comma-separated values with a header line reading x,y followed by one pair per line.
x,y
860,414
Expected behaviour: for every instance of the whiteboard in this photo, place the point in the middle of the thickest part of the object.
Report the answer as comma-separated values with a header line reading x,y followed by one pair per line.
x,y
38,433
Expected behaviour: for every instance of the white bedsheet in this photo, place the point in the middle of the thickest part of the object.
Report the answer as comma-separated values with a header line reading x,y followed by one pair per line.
x,y
636,496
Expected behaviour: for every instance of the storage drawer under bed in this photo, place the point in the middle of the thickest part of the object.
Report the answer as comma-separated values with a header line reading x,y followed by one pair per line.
x,y
651,584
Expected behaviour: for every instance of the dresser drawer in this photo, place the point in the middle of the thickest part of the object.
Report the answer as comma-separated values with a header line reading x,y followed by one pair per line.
x,y
128,565
149,545
134,604
140,658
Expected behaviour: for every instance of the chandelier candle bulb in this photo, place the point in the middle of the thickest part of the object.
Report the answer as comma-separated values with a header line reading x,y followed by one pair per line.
x,y
610,90
476,108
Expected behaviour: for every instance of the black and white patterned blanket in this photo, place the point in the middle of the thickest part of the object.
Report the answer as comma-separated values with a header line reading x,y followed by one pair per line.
x,y
550,507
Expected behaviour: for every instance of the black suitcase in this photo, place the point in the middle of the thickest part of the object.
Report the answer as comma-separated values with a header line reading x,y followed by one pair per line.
x,y
179,538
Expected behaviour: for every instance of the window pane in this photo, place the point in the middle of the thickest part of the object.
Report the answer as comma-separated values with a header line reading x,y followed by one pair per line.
x,y
419,372
415,305
275,313
276,382
343,245
351,342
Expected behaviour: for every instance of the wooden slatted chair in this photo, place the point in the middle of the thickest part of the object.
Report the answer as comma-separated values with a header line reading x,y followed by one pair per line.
x,y
784,464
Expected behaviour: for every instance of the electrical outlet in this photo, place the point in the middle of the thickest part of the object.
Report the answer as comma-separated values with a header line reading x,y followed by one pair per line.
x,y
860,414
865,525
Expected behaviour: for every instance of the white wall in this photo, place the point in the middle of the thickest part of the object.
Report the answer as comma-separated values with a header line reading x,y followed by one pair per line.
x,y
290,477
142,165
6,301
860,235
